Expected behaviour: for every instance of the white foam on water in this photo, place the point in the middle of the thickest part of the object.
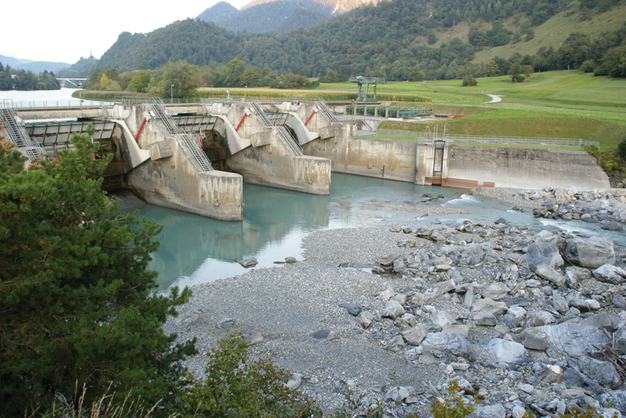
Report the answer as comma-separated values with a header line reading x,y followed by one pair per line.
x,y
567,226
463,199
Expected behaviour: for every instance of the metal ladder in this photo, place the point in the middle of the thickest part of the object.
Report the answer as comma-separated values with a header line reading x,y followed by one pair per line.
x,y
292,143
18,135
199,157
326,111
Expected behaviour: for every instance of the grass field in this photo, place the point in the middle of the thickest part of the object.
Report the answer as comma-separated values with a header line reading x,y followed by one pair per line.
x,y
566,104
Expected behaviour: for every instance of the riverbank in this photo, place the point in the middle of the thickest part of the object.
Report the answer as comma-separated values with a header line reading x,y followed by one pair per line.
x,y
491,306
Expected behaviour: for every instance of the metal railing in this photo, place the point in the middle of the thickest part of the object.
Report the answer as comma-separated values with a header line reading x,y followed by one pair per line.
x,y
330,116
278,123
428,137
199,157
54,104
18,135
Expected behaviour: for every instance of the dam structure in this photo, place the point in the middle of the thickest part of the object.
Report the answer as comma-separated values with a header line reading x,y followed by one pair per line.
x,y
195,157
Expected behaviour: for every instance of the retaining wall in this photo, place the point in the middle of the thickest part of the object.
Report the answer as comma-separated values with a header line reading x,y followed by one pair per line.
x,y
525,168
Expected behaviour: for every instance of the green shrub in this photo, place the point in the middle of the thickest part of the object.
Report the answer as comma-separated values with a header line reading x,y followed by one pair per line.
x,y
236,387
469,80
621,149
453,406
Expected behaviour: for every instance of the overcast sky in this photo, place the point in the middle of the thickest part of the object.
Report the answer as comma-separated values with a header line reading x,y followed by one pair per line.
x,y
67,30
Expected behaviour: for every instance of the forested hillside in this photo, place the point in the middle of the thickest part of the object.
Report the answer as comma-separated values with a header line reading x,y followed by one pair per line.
x,y
394,39
280,16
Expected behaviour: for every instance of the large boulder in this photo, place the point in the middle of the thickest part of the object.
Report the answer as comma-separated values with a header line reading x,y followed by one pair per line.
x,y
507,354
603,372
590,252
542,253
575,340
610,274
446,343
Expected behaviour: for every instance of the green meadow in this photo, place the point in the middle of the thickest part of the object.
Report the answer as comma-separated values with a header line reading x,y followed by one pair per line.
x,y
564,104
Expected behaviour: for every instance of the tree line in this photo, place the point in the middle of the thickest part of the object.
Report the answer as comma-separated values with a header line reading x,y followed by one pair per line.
x,y
12,79
181,79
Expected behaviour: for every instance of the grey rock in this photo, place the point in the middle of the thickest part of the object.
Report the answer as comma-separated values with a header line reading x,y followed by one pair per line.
x,y
617,399
365,319
518,412
407,321
559,302
611,226
619,339
492,411
542,253
352,308
537,319
535,339
295,381
446,343
393,310
254,337
610,274
603,320
550,373
549,273
322,334
397,394
484,319
602,371
507,354
386,294
575,340
619,301
489,305
398,266
496,291
590,252
414,336
395,344
441,318
248,262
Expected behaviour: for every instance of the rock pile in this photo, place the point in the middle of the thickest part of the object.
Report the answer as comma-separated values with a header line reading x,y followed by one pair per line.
x,y
524,320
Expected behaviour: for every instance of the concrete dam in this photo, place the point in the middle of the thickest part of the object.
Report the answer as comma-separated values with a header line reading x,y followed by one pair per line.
x,y
196,157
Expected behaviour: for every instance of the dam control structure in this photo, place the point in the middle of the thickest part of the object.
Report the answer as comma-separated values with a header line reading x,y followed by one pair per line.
x,y
195,157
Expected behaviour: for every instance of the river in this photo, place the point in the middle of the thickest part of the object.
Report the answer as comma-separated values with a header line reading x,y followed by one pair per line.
x,y
195,250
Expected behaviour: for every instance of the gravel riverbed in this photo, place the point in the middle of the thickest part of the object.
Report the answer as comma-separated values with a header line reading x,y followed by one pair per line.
x,y
467,285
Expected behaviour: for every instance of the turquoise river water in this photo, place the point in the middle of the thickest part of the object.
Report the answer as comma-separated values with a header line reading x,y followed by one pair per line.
x,y
196,250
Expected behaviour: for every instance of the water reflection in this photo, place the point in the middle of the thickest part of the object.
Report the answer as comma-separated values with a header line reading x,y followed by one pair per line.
x,y
196,250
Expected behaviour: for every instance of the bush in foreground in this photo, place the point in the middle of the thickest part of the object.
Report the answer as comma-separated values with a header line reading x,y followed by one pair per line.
x,y
77,305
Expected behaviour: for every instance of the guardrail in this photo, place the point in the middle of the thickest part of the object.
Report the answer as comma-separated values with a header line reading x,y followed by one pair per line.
x,y
55,104
427,137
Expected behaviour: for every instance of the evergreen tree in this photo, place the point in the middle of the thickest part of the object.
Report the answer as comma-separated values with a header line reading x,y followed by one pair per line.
x,y
77,305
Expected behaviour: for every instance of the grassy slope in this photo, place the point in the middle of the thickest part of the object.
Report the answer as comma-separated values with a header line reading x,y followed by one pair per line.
x,y
551,33
566,104
554,31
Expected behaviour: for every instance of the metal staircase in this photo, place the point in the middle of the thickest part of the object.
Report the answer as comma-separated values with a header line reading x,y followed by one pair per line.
x,y
326,111
199,157
18,135
278,123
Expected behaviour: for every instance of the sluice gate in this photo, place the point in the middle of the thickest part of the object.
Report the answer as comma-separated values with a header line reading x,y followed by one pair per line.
x,y
195,157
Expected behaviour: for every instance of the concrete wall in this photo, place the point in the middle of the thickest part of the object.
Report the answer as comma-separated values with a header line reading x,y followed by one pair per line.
x,y
170,179
271,163
525,168
380,158
463,166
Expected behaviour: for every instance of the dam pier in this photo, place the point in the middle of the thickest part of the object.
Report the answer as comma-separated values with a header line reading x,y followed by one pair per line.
x,y
195,157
